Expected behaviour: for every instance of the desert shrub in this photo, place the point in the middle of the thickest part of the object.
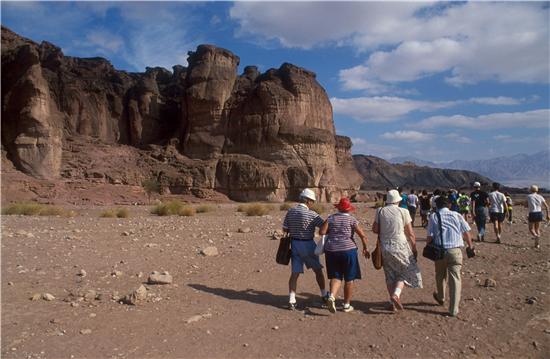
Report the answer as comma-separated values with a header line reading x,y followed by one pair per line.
x,y
122,213
242,207
168,209
33,209
203,208
108,213
187,211
151,185
318,207
379,204
256,209
285,206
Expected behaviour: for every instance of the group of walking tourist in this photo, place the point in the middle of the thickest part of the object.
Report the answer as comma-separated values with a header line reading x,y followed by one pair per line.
x,y
445,217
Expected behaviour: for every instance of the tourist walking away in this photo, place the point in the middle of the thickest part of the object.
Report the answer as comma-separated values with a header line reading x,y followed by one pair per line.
x,y
449,229
464,203
393,225
404,198
425,207
341,253
453,200
497,209
480,200
435,195
510,205
535,203
300,222
412,204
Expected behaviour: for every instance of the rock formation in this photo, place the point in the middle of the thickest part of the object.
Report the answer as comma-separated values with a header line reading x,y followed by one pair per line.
x,y
379,174
200,129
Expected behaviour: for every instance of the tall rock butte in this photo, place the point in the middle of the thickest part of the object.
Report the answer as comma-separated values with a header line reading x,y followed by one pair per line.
x,y
200,129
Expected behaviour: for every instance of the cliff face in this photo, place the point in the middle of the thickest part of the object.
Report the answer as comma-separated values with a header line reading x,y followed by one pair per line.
x,y
203,128
379,174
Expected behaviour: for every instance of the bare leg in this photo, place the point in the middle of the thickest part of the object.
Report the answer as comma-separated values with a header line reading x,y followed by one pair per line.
x,y
320,276
537,229
348,292
335,287
293,282
532,228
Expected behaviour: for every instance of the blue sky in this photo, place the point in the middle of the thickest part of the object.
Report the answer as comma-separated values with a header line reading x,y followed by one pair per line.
x,y
438,81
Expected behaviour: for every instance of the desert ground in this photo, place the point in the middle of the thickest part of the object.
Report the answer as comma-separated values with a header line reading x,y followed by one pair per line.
x,y
232,305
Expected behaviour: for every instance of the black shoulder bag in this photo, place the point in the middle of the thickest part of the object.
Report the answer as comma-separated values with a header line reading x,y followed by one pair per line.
x,y
284,252
433,251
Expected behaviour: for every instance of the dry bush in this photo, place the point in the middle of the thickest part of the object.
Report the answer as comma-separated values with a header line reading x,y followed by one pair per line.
x,y
286,206
257,209
318,207
187,211
122,213
34,209
242,207
167,209
108,213
203,208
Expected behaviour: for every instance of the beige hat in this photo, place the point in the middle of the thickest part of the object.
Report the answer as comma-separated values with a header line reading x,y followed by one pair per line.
x,y
393,197
534,188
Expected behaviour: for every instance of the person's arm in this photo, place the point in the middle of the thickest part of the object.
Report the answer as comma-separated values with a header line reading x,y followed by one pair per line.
x,y
364,240
473,209
505,205
546,207
468,238
409,232
324,228
376,225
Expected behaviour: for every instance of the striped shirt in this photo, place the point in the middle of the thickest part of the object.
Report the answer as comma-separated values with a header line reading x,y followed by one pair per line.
x,y
341,228
300,222
453,225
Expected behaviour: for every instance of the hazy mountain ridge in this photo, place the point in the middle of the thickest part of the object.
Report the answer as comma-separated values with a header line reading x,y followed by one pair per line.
x,y
517,170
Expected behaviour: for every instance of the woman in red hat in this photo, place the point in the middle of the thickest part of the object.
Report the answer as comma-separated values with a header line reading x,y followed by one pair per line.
x,y
341,252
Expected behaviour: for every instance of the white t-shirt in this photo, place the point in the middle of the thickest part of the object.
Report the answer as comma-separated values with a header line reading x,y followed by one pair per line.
x,y
535,201
498,201
412,201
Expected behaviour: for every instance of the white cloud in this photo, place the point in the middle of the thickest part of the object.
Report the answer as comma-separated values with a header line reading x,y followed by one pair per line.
x,y
529,119
383,108
472,42
410,136
104,41
500,100
358,141
457,138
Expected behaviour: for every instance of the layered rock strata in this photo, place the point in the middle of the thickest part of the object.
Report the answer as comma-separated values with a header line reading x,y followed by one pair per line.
x,y
204,128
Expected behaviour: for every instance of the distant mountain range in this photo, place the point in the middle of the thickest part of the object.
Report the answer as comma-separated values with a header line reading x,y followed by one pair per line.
x,y
519,170
379,174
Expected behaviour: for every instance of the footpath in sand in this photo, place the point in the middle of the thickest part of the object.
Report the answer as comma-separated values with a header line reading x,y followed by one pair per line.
x,y
232,304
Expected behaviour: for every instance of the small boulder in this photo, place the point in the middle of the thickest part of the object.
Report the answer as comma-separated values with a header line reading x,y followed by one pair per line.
x,y
48,297
490,283
209,251
160,278
244,230
85,331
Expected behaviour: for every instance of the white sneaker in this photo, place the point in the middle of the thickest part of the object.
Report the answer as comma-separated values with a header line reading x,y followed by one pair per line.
x,y
331,303
537,245
347,309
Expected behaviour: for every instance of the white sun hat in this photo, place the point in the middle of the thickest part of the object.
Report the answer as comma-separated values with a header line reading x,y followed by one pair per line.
x,y
393,197
477,184
309,194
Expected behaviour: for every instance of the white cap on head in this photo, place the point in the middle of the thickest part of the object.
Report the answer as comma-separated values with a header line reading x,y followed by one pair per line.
x,y
393,196
309,194
477,184
534,188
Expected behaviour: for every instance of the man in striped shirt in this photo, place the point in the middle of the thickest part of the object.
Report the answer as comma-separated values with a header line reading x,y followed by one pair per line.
x,y
300,222
454,230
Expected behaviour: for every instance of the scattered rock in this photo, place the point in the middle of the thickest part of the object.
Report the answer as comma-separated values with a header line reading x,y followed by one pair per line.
x,y
90,295
136,296
10,283
85,331
196,318
125,233
160,278
82,273
48,297
244,230
275,327
116,273
209,251
277,234
490,283
531,300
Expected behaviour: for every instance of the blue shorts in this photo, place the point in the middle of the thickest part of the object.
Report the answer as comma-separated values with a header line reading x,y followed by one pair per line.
x,y
303,252
343,265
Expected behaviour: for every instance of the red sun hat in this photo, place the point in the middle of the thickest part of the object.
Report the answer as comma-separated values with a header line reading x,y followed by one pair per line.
x,y
344,205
